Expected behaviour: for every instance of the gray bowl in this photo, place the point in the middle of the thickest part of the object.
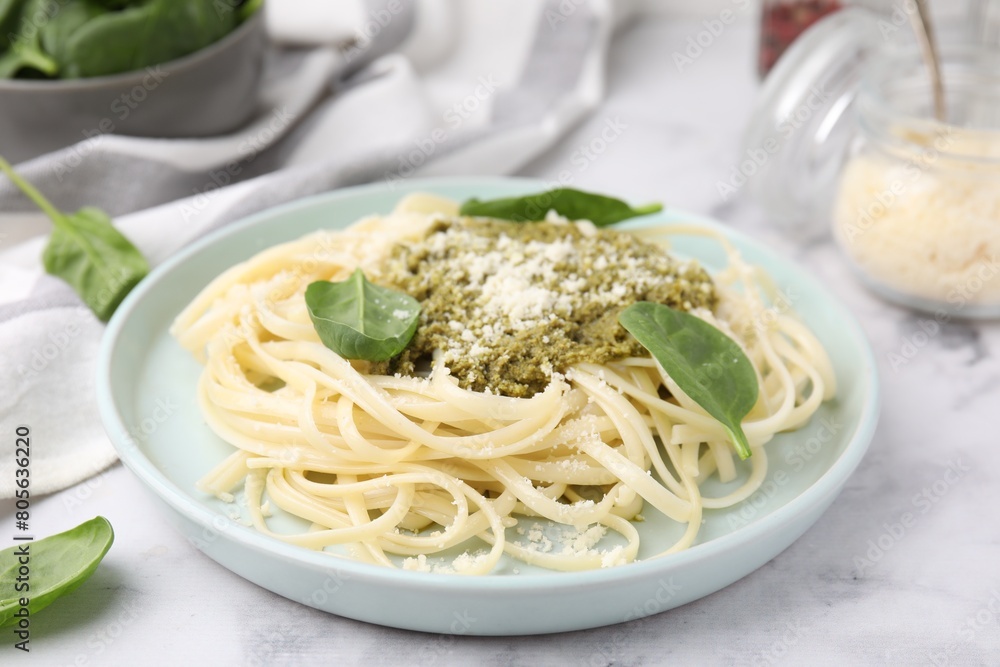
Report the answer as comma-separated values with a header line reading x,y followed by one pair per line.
x,y
211,91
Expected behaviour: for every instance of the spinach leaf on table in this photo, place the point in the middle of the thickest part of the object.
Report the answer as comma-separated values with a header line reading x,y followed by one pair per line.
x,y
705,363
96,260
360,320
57,564
86,251
567,202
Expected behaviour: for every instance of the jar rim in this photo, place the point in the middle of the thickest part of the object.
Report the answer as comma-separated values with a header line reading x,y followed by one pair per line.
x,y
899,77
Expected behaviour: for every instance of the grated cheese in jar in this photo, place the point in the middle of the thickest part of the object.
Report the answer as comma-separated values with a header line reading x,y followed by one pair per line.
x,y
925,221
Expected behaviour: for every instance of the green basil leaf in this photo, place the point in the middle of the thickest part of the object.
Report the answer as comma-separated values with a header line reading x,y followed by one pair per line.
x,y
57,565
567,202
705,363
86,251
360,320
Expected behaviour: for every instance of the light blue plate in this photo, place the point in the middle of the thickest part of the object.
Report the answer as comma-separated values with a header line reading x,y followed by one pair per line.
x,y
146,388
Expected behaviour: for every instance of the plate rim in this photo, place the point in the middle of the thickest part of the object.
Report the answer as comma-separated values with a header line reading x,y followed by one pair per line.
x,y
830,482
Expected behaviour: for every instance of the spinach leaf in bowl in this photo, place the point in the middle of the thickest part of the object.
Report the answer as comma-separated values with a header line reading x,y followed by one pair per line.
x,y
54,34
72,39
10,13
26,59
145,35
25,56
117,4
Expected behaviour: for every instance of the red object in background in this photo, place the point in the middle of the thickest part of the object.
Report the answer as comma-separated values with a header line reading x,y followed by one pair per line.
x,y
782,21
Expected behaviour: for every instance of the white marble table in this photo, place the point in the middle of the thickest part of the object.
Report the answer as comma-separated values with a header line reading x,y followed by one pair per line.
x,y
930,594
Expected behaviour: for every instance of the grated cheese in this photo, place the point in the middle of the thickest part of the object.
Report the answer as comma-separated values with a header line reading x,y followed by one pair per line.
x,y
929,229
508,305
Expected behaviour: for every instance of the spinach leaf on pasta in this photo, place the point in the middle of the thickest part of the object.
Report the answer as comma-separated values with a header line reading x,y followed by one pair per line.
x,y
707,365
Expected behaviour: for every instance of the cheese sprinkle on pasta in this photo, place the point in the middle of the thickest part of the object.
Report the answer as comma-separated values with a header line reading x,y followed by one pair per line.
x,y
508,304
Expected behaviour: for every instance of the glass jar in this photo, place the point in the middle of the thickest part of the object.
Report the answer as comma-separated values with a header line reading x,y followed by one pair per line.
x,y
914,202
917,208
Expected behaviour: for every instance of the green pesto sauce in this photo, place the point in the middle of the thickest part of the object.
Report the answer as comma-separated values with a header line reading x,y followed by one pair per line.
x,y
509,304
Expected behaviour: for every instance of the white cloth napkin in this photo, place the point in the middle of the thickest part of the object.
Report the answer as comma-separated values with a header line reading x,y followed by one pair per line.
x,y
472,87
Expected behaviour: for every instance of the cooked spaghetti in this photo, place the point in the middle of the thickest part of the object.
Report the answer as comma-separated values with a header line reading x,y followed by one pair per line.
x,y
405,461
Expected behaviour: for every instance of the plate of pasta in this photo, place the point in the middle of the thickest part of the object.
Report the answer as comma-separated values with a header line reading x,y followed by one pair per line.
x,y
479,406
